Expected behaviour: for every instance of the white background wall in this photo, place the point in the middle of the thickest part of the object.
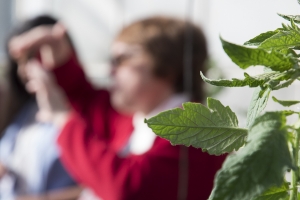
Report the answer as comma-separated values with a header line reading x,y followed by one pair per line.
x,y
93,23
5,24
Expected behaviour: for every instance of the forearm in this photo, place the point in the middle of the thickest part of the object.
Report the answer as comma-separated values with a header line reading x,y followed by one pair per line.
x,y
71,78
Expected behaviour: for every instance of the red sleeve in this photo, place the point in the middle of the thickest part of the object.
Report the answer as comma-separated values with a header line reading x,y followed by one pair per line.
x,y
71,77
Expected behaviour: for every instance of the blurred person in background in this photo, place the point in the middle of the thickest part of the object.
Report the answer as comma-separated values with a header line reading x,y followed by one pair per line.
x,y
29,157
3,91
104,141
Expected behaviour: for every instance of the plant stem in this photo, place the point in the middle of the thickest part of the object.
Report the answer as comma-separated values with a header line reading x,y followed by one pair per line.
x,y
295,173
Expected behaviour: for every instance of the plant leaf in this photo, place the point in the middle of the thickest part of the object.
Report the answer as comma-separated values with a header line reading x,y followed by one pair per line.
x,y
245,57
270,80
290,76
261,164
257,105
283,85
260,38
295,18
282,40
285,103
251,81
289,52
274,193
214,129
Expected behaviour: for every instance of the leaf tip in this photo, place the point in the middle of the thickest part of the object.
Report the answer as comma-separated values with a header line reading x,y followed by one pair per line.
x,y
204,150
246,43
274,99
208,99
221,38
201,74
203,77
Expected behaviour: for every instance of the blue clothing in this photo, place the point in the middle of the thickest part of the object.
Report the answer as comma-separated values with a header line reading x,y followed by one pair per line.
x,y
42,170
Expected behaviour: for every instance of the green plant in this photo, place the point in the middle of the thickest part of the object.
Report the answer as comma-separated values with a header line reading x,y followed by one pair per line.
x,y
269,146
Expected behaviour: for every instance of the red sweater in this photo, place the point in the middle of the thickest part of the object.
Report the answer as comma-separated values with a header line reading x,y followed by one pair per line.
x,y
95,134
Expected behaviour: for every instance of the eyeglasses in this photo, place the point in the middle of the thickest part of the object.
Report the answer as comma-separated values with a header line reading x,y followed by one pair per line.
x,y
117,60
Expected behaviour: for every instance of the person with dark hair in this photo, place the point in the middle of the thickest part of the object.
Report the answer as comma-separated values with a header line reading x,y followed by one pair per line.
x,y
3,102
105,144
29,157
18,96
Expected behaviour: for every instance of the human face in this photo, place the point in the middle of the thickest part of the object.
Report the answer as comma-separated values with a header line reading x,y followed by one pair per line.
x,y
135,87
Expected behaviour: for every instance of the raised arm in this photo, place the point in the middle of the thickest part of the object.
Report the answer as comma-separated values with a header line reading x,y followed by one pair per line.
x,y
56,53
71,78
55,75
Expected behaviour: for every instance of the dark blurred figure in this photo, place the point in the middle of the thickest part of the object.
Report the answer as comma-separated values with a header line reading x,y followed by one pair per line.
x,y
29,157
3,96
105,143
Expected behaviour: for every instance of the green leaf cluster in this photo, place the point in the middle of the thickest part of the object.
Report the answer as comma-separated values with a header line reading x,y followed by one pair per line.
x,y
268,147
261,164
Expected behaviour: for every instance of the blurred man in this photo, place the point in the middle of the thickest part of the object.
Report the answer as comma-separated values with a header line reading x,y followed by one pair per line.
x,y
104,142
